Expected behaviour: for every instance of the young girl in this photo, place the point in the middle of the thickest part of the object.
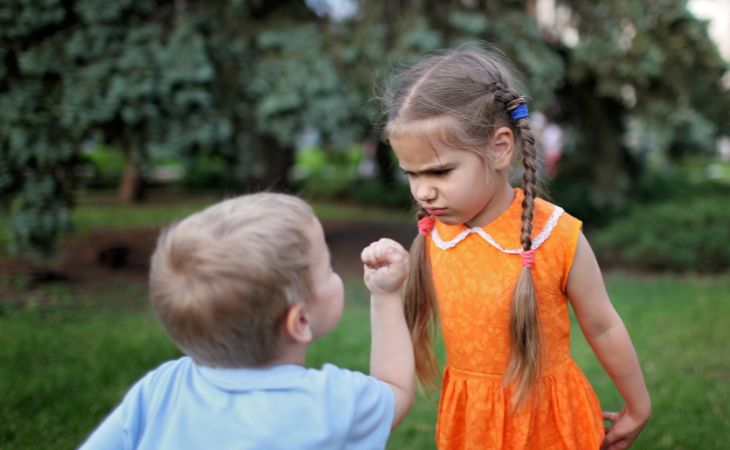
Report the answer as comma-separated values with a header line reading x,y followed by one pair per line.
x,y
500,265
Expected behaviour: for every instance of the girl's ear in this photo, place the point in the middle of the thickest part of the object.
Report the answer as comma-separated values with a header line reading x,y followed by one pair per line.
x,y
297,324
503,147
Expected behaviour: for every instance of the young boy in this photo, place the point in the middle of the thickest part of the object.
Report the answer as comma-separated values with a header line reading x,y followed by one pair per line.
x,y
243,288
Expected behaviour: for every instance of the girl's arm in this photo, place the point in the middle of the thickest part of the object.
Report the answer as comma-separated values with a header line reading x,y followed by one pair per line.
x,y
609,339
391,356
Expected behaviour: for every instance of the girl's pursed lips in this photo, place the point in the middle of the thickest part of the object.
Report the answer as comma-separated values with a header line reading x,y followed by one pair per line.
x,y
435,211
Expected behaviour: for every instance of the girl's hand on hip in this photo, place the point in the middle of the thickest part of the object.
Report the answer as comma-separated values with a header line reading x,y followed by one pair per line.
x,y
624,431
385,263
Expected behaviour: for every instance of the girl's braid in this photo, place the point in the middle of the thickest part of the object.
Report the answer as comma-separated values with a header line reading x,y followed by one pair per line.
x,y
509,100
524,364
529,180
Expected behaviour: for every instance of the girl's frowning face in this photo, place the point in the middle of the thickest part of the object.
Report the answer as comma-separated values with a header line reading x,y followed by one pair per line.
x,y
456,186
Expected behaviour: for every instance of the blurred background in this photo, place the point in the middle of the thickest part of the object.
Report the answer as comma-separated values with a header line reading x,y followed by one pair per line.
x,y
117,117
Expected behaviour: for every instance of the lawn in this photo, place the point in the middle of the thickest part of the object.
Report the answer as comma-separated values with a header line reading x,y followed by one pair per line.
x,y
100,210
68,355
66,361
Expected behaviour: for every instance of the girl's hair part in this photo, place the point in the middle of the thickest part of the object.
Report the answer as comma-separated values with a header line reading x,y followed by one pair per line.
x,y
458,98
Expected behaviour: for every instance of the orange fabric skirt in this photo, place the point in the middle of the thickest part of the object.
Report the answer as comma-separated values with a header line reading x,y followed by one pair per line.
x,y
475,413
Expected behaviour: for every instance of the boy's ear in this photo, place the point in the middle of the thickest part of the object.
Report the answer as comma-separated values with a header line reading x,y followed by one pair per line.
x,y
503,145
297,324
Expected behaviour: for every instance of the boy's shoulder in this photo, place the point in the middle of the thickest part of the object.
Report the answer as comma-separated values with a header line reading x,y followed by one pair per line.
x,y
336,374
327,382
275,377
168,369
347,405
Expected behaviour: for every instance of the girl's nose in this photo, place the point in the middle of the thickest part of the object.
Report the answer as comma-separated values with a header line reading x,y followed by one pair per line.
x,y
424,192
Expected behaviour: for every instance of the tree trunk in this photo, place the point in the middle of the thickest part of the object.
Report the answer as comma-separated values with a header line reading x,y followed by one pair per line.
x,y
601,162
278,159
131,185
384,160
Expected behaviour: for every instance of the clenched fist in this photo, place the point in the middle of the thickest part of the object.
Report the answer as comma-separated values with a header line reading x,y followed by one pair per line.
x,y
385,263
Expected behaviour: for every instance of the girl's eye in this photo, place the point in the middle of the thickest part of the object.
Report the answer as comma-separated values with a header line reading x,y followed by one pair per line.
x,y
441,172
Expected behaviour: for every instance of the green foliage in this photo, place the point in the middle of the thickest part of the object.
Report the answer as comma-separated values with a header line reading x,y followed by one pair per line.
x,y
327,175
207,172
649,66
242,80
117,71
36,153
105,167
296,86
538,63
686,234
375,193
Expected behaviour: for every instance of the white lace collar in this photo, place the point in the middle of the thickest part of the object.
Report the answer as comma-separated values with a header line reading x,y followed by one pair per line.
x,y
544,234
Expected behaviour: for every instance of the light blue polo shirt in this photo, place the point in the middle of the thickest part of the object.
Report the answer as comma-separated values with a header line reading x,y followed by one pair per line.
x,y
181,405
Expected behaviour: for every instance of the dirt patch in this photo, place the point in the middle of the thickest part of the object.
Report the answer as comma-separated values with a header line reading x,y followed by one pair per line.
x,y
111,257
346,241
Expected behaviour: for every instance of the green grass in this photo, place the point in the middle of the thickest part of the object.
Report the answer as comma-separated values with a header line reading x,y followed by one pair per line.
x,y
133,216
100,209
338,212
66,361
145,215
680,327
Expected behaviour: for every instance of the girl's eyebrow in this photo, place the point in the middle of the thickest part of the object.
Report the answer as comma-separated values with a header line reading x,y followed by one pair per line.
x,y
427,169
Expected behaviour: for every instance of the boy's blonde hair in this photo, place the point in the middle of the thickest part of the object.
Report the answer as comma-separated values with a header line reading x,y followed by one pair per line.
x,y
222,280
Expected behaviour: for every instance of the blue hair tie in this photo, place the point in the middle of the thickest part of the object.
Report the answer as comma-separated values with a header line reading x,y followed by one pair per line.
x,y
520,112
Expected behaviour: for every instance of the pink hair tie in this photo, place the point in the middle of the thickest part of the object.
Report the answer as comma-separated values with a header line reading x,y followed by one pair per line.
x,y
528,258
425,225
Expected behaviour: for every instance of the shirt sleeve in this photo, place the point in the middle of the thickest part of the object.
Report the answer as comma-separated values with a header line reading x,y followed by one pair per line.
x,y
109,434
374,407
113,432
119,431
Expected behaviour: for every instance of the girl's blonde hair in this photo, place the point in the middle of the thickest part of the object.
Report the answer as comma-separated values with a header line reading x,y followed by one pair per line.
x,y
459,98
222,280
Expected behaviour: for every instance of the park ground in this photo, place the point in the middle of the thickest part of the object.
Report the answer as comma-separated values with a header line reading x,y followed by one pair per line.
x,y
77,334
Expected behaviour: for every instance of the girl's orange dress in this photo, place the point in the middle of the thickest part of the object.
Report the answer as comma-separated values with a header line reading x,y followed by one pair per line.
x,y
475,281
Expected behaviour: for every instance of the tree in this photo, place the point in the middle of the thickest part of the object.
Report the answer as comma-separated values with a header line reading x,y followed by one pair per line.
x,y
385,35
637,94
37,153
242,79
631,93
156,77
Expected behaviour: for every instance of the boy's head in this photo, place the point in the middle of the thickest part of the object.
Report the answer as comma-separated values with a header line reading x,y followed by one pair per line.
x,y
224,280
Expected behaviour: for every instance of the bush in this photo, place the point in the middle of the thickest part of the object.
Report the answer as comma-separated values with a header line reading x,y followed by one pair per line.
x,y
573,192
106,165
373,192
678,235
207,172
327,174
679,185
